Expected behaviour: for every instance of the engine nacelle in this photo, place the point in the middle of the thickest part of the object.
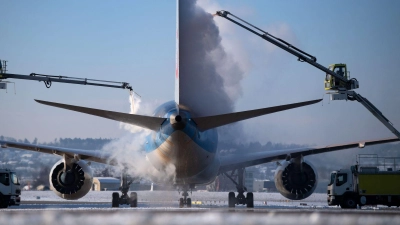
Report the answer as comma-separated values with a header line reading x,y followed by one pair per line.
x,y
72,184
295,183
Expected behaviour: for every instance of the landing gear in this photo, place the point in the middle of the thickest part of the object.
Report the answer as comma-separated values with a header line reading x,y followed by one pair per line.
x,y
181,203
133,199
250,200
124,199
115,199
185,200
231,200
240,199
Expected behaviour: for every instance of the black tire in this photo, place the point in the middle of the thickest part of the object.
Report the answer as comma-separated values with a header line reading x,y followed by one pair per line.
x,y
349,202
115,200
231,200
250,200
181,203
189,203
4,201
133,199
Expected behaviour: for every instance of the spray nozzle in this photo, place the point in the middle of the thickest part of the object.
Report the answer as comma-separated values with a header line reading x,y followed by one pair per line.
x,y
222,13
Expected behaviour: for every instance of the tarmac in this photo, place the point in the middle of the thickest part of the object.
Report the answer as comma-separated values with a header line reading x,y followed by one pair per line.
x,y
46,208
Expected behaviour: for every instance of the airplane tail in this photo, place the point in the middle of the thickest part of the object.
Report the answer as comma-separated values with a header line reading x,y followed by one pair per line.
x,y
148,122
177,55
209,122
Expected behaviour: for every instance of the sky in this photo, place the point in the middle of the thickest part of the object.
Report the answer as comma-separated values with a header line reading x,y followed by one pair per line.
x,y
134,42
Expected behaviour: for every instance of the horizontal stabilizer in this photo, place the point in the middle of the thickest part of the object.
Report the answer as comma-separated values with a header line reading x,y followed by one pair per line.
x,y
209,122
148,122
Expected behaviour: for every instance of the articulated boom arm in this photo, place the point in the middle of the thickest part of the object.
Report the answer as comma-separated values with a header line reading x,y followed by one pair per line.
x,y
48,79
302,56
344,92
352,95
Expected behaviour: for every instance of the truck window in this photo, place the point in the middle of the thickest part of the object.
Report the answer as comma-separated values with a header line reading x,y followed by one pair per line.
x,y
14,179
341,178
339,71
5,179
333,175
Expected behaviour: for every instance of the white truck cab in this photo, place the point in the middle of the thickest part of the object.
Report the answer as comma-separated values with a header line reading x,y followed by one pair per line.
x,y
341,189
343,180
10,189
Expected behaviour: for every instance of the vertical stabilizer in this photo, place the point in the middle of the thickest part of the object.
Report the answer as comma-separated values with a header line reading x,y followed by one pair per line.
x,y
177,55
200,88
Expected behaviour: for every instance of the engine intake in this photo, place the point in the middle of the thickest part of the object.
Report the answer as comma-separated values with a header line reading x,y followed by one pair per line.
x,y
295,183
72,183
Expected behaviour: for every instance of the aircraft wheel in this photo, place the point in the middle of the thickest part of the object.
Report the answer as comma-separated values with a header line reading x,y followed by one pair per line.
x,y
189,203
231,200
250,200
133,199
181,203
115,200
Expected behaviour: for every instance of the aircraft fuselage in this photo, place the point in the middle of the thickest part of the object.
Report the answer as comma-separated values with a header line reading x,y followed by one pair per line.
x,y
180,143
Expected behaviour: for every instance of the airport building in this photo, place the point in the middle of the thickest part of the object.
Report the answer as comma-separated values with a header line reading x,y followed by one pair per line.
x,y
264,186
249,179
105,184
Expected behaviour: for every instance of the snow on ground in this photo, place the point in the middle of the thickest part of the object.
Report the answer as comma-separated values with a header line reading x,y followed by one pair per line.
x,y
209,198
183,217
161,207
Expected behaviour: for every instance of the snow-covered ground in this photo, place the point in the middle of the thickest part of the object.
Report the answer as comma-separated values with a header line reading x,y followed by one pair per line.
x,y
213,210
161,207
204,198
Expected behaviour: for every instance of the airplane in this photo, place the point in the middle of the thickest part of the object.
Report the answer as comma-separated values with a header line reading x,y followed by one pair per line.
x,y
189,142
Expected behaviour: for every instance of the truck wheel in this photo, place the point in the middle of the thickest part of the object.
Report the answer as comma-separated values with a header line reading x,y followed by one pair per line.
x,y
3,202
349,203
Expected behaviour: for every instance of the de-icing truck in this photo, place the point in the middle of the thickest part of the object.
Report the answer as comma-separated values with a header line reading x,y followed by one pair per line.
x,y
376,182
10,189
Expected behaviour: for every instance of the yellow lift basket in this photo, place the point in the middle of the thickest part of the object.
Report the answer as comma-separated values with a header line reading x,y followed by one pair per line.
x,y
335,84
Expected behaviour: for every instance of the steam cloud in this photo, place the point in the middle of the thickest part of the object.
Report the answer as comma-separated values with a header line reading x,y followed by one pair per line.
x,y
209,76
128,150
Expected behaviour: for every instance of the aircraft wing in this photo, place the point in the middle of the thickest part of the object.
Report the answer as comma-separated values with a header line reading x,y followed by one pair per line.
x,y
232,162
90,155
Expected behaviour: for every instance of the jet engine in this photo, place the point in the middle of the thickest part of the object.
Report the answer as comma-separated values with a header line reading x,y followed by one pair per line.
x,y
295,181
73,181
